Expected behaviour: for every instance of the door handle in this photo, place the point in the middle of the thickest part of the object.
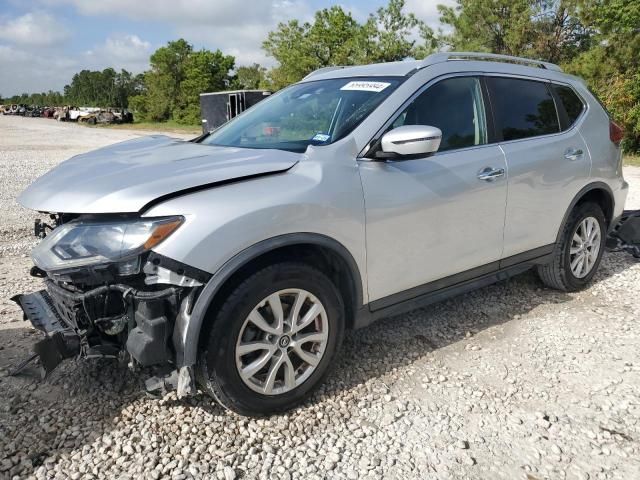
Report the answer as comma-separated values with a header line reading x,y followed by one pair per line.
x,y
489,174
573,154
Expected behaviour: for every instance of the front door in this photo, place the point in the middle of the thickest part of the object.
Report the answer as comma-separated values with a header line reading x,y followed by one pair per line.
x,y
433,217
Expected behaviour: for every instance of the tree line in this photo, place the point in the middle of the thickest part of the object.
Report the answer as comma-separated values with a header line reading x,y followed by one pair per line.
x,y
598,40
106,88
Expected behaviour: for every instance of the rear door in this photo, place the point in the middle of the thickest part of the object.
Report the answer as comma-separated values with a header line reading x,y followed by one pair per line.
x,y
547,159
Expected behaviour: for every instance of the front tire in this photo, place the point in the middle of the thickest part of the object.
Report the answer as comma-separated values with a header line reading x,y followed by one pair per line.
x,y
577,256
273,340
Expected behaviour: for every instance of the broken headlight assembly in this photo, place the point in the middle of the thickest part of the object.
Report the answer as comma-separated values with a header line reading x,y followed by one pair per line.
x,y
87,309
84,243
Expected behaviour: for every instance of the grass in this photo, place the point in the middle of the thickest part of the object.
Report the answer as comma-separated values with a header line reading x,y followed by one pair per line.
x,y
169,126
633,160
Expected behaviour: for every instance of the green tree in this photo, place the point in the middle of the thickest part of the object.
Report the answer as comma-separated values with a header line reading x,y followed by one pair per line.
x,y
105,88
334,38
163,80
390,31
612,65
204,71
497,26
598,40
178,75
250,77
559,32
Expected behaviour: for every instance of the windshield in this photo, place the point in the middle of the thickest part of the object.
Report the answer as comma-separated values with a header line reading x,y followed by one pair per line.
x,y
312,113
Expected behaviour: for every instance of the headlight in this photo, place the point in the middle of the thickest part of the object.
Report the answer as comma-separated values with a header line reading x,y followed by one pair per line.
x,y
79,244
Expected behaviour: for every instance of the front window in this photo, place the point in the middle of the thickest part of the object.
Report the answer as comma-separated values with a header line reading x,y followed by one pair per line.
x,y
453,105
313,113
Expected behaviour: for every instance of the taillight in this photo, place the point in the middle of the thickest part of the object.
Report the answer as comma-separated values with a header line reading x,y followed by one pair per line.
x,y
616,132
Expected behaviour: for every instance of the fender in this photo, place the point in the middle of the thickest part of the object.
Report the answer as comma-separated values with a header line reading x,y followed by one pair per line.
x,y
586,189
186,334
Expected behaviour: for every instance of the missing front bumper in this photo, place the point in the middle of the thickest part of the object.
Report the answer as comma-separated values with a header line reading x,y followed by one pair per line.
x,y
147,342
73,327
60,342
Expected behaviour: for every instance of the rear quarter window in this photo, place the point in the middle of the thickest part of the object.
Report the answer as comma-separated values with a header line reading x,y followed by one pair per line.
x,y
522,108
573,105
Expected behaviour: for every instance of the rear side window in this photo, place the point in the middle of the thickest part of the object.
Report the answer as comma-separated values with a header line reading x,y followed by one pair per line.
x,y
572,103
522,108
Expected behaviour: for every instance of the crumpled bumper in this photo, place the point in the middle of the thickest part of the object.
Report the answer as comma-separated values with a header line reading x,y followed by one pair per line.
x,y
625,235
60,342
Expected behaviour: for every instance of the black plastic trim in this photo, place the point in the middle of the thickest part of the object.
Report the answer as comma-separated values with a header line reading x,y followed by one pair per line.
x,y
533,256
443,294
433,286
187,352
179,267
492,133
453,285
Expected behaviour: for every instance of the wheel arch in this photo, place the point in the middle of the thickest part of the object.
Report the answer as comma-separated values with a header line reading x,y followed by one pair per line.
x,y
600,193
333,257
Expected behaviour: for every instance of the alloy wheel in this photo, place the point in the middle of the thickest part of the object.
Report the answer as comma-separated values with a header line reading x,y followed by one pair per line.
x,y
585,247
282,341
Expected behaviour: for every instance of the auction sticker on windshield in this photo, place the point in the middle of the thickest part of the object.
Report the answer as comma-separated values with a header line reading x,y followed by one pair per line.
x,y
321,137
366,86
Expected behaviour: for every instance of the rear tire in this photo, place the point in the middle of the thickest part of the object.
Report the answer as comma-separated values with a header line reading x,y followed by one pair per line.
x,y
293,359
577,255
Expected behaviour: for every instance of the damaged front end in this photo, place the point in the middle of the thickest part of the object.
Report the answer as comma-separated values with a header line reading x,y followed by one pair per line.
x,y
108,295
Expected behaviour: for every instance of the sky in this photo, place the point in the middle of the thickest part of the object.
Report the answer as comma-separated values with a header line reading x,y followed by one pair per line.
x,y
44,42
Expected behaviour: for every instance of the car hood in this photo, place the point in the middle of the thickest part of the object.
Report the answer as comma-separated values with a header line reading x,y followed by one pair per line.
x,y
127,176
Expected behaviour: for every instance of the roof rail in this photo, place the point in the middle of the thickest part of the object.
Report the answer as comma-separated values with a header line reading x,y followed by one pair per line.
x,y
449,56
323,70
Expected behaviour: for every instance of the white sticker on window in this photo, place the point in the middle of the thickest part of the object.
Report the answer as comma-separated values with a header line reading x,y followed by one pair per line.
x,y
366,86
321,137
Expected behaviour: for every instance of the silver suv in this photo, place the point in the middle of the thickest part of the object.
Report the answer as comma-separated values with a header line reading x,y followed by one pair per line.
x,y
240,259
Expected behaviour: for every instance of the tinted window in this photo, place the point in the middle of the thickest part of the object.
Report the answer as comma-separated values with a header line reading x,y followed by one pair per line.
x,y
454,106
572,103
522,108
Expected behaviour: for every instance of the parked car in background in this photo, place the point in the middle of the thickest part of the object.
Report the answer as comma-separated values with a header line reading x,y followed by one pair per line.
x,y
60,114
76,113
107,117
8,109
381,188
124,115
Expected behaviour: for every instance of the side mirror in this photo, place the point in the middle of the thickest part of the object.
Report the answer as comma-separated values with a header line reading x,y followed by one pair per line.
x,y
412,140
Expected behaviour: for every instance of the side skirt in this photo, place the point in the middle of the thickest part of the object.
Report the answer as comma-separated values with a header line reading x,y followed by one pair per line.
x,y
451,286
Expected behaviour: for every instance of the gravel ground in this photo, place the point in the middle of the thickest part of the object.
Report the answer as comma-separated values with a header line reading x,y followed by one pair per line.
x,y
512,381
